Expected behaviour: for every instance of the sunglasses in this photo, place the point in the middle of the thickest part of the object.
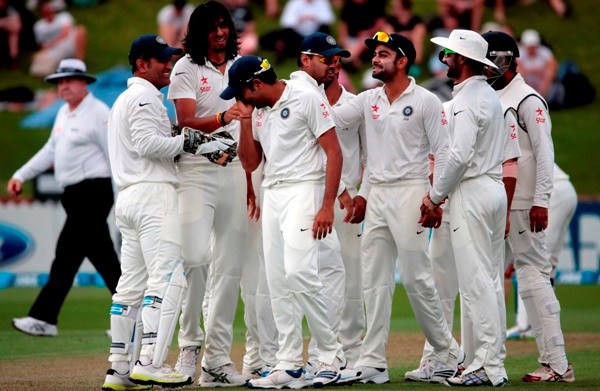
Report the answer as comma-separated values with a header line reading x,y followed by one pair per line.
x,y
329,60
383,37
448,52
264,66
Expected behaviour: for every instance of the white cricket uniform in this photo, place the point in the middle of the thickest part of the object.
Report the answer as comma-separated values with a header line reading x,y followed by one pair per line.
x,y
294,185
400,136
442,257
141,152
472,181
347,319
562,208
534,187
211,198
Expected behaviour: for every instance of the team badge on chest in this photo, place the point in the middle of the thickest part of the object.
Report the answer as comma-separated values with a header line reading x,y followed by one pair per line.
x,y
407,111
285,113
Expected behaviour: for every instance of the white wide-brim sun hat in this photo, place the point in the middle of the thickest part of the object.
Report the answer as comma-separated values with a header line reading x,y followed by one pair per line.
x,y
466,43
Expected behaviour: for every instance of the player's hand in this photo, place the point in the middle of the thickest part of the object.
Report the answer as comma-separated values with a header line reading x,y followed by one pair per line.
x,y
510,270
232,113
538,218
431,218
347,203
245,109
253,208
507,227
323,224
360,207
15,187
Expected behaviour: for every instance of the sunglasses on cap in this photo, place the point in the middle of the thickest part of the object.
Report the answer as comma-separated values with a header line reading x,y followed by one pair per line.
x,y
383,37
264,66
329,60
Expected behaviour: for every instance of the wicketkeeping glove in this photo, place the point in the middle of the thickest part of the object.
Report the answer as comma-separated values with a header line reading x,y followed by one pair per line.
x,y
223,156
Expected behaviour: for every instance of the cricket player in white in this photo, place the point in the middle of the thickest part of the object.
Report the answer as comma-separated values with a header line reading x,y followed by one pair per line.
x,y
472,181
141,152
292,126
403,124
212,199
318,59
442,257
529,212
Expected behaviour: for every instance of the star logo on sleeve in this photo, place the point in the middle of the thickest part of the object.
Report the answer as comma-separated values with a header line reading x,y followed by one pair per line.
x,y
325,111
204,80
444,119
540,116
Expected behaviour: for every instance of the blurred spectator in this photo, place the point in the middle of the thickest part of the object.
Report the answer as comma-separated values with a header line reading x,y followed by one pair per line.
x,y
58,38
536,64
299,19
271,8
10,27
244,25
359,20
404,22
172,22
466,14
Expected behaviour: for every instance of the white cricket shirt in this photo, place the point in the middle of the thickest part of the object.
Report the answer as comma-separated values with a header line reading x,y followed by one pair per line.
x,y
77,146
289,132
536,165
202,83
478,136
140,145
400,134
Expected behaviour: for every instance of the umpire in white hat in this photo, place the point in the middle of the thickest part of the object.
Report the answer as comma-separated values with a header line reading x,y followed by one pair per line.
x,y
472,181
77,149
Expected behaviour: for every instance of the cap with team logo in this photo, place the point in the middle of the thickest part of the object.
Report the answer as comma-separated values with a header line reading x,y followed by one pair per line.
x,y
151,46
323,44
243,71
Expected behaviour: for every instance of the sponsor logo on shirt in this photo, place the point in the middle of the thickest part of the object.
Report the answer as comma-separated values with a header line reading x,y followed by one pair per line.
x,y
325,111
513,131
205,87
259,118
374,111
540,116
444,119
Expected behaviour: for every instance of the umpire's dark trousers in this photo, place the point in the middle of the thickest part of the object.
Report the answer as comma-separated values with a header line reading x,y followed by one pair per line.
x,y
85,234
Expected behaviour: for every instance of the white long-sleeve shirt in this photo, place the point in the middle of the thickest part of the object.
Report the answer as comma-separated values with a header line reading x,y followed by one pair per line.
x,y
478,136
400,134
77,146
140,145
305,17
536,164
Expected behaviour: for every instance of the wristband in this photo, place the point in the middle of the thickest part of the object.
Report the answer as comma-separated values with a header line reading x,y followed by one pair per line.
x,y
222,118
245,116
218,119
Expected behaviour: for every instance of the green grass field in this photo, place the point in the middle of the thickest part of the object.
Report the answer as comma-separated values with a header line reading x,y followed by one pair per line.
x,y
114,24
82,346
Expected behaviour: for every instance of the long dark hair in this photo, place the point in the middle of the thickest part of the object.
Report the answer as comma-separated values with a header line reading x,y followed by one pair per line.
x,y
202,22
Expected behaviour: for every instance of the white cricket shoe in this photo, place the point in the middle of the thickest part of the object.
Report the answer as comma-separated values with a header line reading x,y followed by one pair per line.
x,y
279,379
431,371
348,376
163,376
252,373
187,360
223,376
266,370
516,333
327,374
371,375
115,381
473,379
547,374
309,373
36,327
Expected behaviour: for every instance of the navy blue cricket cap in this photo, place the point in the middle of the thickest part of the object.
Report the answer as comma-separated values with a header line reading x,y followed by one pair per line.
x,y
241,73
323,44
151,46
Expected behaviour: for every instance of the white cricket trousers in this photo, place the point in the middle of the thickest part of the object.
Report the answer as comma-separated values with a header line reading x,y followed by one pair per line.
x,y
212,199
478,218
533,268
291,262
146,214
391,233
563,204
